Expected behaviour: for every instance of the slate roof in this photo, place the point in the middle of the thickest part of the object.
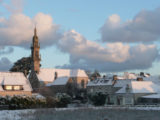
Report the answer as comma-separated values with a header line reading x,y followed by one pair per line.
x,y
100,82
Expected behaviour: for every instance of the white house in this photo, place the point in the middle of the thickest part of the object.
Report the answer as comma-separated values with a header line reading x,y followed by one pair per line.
x,y
14,83
131,92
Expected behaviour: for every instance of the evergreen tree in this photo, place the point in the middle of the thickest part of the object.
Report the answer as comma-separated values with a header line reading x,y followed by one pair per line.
x,y
95,75
22,65
98,99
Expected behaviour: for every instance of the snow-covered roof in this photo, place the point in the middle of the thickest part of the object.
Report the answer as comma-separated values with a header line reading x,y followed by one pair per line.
x,y
59,81
123,82
130,75
99,82
49,74
154,79
152,96
141,87
14,78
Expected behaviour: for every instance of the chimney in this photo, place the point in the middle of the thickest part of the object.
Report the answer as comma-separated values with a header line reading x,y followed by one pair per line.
x,y
142,74
55,75
115,77
127,88
114,80
139,79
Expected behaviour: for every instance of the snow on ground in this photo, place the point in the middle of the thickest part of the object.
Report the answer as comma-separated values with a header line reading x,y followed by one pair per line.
x,y
30,114
13,114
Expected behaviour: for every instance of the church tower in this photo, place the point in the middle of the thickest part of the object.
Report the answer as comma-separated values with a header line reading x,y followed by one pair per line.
x,y
35,47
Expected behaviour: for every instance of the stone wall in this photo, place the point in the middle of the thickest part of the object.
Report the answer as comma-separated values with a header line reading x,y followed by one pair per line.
x,y
102,113
100,88
58,89
79,81
12,93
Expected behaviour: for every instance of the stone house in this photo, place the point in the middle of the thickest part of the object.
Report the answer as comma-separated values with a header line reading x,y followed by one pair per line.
x,y
131,92
63,80
100,85
14,83
59,80
103,85
150,99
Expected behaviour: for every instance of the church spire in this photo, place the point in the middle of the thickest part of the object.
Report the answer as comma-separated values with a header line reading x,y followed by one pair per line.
x,y
35,52
35,31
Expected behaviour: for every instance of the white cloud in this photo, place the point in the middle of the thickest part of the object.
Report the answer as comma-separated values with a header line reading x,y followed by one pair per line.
x,y
14,7
87,54
6,51
143,28
17,30
78,46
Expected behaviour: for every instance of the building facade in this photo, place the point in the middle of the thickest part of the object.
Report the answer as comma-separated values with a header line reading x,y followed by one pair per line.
x,y
14,83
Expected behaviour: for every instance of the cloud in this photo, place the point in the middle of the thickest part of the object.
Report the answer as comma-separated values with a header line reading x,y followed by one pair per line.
x,y
15,6
5,64
77,45
113,57
4,51
144,27
1,1
17,30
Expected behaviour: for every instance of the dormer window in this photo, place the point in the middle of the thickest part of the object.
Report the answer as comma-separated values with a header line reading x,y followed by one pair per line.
x,y
17,87
12,87
8,87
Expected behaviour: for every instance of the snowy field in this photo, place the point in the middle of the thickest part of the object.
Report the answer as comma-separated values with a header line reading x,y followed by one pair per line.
x,y
91,113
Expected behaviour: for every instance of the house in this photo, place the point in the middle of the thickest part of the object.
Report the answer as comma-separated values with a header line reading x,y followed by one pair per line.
x,y
150,99
102,85
60,77
39,77
14,83
131,92
63,80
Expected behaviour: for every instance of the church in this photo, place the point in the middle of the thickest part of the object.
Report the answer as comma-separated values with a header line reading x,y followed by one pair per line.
x,y
57,79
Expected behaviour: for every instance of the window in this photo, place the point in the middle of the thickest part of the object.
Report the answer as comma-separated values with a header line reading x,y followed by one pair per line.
x,y
82,83
16,87
8,87
13,87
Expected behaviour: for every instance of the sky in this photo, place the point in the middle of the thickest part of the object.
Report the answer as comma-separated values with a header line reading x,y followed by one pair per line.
x,y
109,36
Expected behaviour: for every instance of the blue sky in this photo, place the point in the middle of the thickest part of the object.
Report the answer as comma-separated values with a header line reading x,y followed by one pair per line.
x,y
86,18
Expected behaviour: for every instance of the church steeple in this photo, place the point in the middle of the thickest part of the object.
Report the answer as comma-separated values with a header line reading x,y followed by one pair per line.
x,y
35,52
35,31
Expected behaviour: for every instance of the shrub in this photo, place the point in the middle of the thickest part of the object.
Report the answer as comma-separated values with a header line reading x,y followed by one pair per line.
x,y
63,99
51,102
98,99
22,102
